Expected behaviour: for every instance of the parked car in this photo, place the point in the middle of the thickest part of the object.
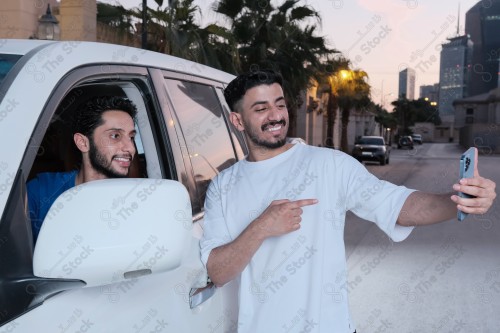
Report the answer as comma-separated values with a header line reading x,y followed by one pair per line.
x,y
405,142
417,138
116,255
371,148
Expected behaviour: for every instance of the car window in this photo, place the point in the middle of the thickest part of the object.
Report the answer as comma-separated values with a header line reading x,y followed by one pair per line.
x,y
205,130
371,141
238,139
57,152
7,61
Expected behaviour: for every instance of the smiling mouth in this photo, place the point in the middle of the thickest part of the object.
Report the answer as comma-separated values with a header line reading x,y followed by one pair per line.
x,y
273,126
123,160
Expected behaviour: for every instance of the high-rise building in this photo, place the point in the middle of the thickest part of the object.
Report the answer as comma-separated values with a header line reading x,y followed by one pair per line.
x,y
482,23
431,92
407,83
454,72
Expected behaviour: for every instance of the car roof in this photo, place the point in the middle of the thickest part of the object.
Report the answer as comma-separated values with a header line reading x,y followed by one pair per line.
x,y
96,52
21,46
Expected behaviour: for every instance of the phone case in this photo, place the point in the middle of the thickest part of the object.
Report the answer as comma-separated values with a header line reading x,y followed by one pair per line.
x,y
466,171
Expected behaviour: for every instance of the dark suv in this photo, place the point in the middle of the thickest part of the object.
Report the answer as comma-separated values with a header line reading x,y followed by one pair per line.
x,y
371,148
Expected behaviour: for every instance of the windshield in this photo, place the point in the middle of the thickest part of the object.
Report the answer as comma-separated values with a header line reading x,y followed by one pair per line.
x,y
371,141
7,61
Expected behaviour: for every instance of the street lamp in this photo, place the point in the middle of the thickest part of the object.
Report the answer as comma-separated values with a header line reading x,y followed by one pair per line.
x,y
206,161
48,26
382,99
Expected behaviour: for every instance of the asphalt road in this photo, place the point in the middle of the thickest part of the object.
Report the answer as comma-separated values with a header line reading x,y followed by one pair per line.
x,y
442,278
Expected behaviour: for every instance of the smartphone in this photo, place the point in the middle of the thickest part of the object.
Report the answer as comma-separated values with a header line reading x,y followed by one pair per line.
x,y
466,171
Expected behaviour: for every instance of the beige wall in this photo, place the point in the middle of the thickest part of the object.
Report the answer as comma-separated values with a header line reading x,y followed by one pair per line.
x,y
78,20
107,34
19,18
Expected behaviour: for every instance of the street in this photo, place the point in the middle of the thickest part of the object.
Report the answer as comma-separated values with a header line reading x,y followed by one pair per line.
x,y
442,278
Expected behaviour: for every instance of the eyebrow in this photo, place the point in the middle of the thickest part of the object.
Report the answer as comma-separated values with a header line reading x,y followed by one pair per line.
x,y
120,130
266,102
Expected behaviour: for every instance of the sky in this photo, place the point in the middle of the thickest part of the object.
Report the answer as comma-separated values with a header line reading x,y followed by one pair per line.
x,y
381,37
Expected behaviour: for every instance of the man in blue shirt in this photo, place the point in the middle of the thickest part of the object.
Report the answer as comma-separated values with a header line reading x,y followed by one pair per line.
x,y
104,132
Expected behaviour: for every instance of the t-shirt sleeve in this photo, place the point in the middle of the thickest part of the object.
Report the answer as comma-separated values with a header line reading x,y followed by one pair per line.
x,y
375,200
215,231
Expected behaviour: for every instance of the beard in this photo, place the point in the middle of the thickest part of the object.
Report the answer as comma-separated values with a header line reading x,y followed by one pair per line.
x,y
99,162
254,136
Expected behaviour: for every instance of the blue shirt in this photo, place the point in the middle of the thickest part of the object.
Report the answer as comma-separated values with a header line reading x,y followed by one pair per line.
x,y
43,190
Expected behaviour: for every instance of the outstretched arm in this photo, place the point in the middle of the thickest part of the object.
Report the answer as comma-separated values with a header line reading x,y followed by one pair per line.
x,y
422,208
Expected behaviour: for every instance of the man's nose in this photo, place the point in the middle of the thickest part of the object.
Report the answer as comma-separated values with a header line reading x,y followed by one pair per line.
x,y
129,146
275,113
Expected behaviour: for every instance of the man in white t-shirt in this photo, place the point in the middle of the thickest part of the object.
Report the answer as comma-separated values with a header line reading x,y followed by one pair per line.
x,y
275,221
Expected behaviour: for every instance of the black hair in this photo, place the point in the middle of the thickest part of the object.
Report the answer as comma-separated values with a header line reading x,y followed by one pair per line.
x,y
88,115
237,88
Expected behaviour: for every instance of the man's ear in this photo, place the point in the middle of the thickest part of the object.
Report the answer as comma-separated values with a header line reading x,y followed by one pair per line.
x,y
81,142
235,119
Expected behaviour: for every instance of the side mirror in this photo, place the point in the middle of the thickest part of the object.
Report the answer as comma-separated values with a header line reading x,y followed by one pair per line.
x,y
108,231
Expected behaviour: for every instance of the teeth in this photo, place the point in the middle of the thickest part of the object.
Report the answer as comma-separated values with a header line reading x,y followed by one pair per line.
x,y
273,129
122,159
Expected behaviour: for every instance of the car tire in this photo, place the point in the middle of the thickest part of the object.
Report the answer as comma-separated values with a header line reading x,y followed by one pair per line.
x,y
387,161
382,161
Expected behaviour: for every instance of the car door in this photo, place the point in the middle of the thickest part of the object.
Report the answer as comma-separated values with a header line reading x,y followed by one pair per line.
x,y
160,302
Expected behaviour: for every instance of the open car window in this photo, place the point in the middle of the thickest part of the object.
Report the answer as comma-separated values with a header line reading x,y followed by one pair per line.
x,y
57,151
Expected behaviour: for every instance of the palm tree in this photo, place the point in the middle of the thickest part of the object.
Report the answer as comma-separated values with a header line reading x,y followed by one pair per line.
x,y
281,38
173,30
353,92
407,112
328,78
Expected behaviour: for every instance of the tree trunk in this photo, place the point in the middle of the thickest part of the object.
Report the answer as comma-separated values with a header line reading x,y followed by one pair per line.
x,y
344,144
331,110
292,120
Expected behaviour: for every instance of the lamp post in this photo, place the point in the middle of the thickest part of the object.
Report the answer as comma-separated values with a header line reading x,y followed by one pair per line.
x,y
48,26
144,32
382,99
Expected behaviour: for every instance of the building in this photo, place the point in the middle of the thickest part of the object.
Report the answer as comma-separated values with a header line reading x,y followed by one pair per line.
x,y
20,18
482,24
454,73
407,83
430,92
478,119
77,21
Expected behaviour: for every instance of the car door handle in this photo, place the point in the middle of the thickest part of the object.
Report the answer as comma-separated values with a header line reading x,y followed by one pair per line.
x,y
199,295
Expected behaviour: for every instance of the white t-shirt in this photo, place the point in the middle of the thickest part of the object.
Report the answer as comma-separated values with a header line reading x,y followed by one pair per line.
x,y
297,282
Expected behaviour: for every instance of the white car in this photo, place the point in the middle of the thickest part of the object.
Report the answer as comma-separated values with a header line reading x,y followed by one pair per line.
x,y
417,138
117,255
